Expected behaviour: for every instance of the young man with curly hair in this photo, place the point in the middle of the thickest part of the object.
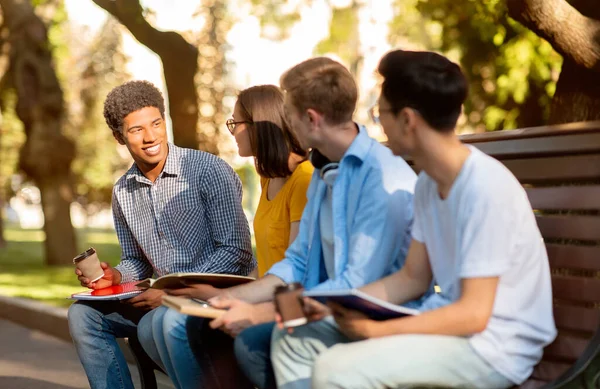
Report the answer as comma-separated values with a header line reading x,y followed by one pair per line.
x,y
175,210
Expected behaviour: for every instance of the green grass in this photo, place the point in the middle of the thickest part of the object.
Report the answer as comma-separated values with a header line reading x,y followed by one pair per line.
x,y
23,273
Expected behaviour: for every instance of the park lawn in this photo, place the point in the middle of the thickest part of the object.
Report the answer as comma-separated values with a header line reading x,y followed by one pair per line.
x,y
23,274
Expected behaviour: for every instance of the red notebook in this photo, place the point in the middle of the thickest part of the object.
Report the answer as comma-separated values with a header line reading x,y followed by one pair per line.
x,y
116,292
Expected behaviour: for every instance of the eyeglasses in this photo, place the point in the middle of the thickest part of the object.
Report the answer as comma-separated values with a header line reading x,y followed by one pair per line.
x,y
230,123
375,113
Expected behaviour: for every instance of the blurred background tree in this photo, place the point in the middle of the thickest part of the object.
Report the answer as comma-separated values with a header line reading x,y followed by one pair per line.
x,y
211,78
180,65
512,72
573,29
94,69
47,153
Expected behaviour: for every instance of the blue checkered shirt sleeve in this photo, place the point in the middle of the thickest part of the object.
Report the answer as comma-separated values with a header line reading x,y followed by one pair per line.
x,y
229,226
134,265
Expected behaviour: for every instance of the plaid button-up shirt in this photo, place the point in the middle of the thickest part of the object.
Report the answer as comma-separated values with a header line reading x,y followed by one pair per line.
x,y
189,220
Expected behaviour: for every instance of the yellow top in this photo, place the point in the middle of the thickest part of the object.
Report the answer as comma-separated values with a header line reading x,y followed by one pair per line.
x,y
273,217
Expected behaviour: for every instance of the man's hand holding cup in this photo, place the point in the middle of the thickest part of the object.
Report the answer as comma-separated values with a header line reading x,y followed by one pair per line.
x,y
94,274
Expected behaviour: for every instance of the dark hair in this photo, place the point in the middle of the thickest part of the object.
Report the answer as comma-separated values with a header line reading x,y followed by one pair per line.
x,y
426,82
323,85
270,137
130,97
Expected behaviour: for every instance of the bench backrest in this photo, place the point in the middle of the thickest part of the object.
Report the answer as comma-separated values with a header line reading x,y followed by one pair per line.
x,y
559,166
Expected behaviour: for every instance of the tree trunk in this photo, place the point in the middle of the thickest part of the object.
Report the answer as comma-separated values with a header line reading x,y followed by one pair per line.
x,y
180,65
577,96
576,36
47,154
56,202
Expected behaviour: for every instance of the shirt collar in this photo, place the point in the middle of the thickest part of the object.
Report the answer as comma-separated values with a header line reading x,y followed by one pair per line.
x,y
172,166
360,146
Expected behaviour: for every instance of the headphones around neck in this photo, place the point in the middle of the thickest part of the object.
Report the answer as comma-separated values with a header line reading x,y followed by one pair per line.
x,y
327,169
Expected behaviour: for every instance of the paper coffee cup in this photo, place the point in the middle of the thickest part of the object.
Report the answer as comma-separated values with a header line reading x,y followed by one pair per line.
x,y
89,264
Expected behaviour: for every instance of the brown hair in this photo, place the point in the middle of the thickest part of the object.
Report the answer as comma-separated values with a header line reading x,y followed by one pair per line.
x,y
270,137
323,85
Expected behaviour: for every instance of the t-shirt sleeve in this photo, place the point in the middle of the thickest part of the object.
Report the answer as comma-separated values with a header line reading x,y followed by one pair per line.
x,y
298,196
487,236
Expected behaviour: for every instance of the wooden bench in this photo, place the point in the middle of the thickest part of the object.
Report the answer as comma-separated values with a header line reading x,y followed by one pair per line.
x,y
559,166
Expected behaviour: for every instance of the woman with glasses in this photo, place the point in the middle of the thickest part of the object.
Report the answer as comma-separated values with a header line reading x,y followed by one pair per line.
x,y
261,131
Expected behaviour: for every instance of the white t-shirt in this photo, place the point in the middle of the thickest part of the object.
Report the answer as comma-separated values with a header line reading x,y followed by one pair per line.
x,y
486,228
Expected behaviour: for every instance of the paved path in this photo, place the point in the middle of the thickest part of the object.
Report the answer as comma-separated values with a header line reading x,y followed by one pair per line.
x,y
32,359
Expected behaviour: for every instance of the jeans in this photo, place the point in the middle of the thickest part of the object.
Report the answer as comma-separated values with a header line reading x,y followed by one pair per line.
x,y
95,327
167,344
319,356
253,352
214,352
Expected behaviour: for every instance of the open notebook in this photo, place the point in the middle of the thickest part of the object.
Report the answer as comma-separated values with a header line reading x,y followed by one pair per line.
x,y
176,280
371,306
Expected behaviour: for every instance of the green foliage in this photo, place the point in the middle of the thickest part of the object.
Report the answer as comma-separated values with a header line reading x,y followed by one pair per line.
x,y
343,38
276,16
251,187
512,72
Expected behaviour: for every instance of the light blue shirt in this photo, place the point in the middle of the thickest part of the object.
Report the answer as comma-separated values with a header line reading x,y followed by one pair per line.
x,y
485,228
372,215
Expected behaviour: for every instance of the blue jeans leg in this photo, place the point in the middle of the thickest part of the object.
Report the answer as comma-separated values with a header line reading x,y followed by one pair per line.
x,y
95,327
253,352
146,338
181,364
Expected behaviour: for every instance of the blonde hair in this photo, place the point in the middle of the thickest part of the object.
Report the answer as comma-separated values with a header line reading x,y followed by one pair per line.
x,y
324,85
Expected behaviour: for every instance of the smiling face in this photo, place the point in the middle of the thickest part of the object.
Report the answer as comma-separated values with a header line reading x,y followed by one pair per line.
x,y
145,135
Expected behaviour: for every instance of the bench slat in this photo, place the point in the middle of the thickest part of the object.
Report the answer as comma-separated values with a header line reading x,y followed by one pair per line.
x,y
533,132
573,257
573,318
548,371
580,289
565,197
569,227
565,348
543,146
555,169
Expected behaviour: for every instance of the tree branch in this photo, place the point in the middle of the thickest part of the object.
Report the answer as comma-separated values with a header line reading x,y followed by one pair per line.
x,y
573,35
130,14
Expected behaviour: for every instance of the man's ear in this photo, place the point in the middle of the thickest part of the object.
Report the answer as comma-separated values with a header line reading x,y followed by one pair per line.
x,y
408,119
314,117
119,137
